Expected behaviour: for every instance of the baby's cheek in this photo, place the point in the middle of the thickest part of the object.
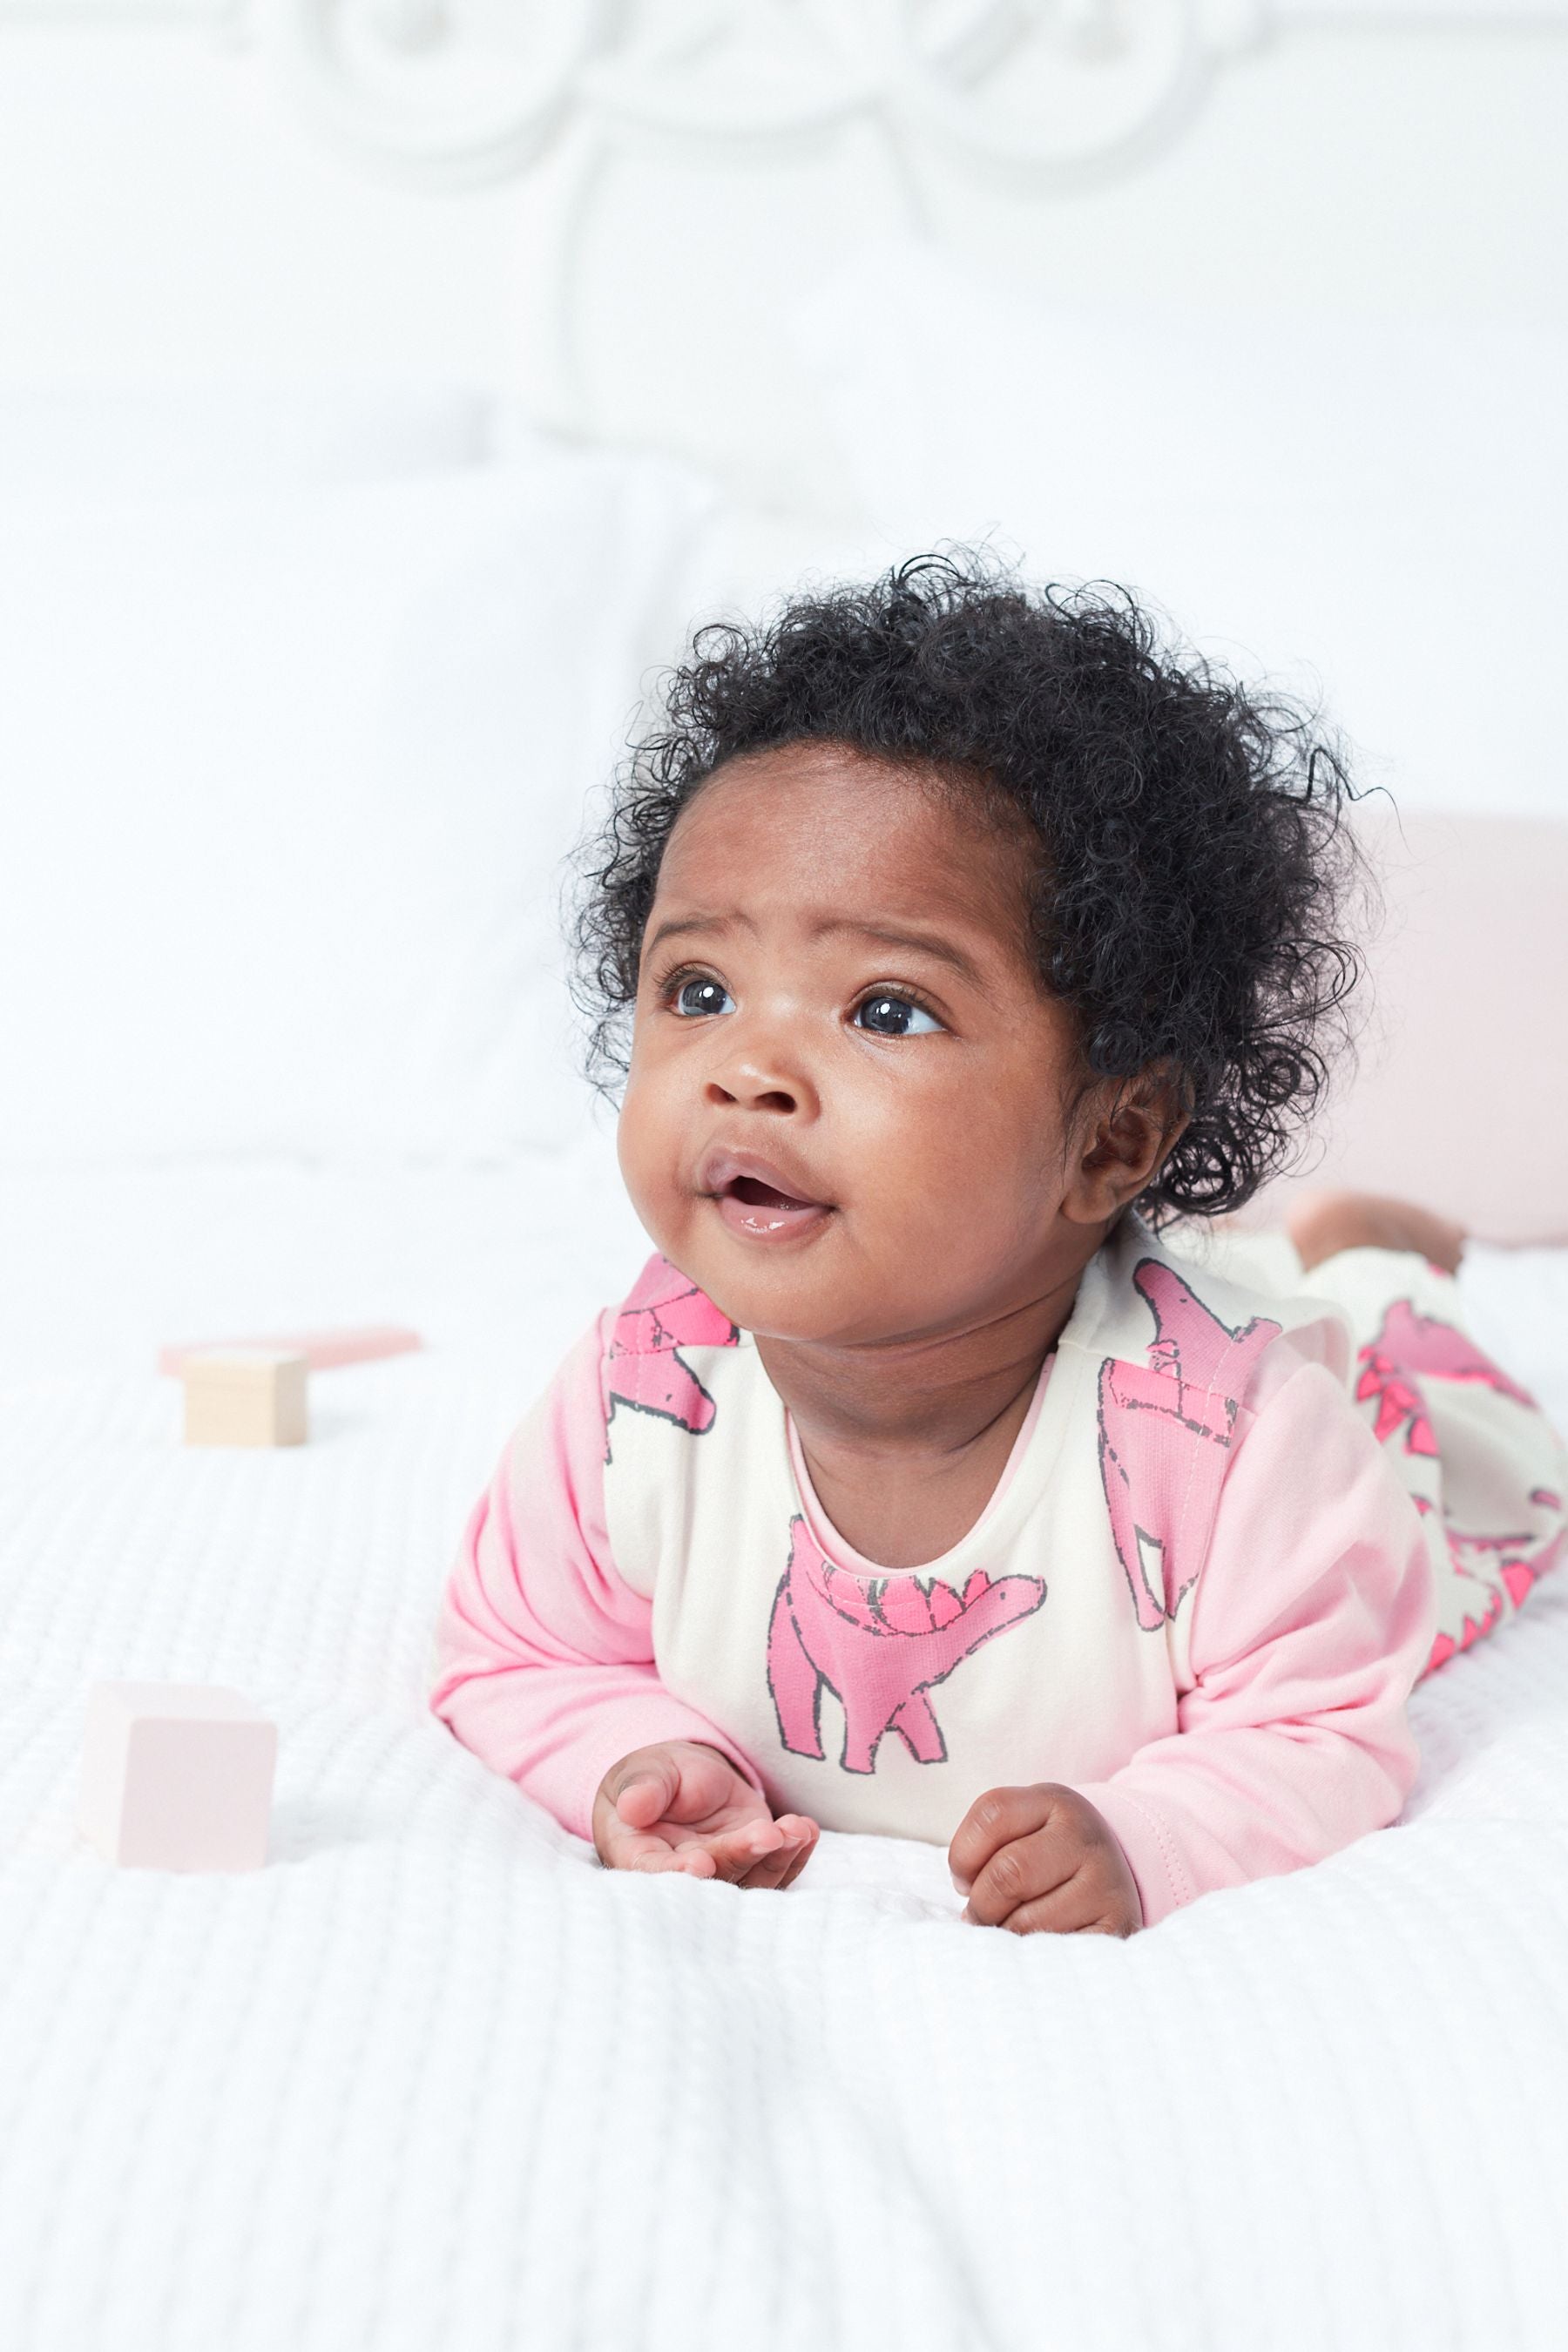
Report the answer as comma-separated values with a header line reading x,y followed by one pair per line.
x,y
648,1144
967,1170
996,1225
932,1237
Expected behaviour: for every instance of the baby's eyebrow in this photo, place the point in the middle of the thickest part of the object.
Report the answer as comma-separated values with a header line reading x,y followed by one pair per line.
x,y
929,943
677,927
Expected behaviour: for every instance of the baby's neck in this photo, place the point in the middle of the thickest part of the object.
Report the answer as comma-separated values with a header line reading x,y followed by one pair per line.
x,y
905,1440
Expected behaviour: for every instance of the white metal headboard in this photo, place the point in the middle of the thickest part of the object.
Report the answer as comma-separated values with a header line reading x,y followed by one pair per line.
x,y
437,88
459,92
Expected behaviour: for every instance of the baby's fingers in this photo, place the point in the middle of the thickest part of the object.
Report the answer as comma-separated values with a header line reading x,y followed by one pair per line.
x,y
1043,1870
993,1823
690,1862
638,1850
759,1852
1079,1908
735,1853
779,1868
642,1793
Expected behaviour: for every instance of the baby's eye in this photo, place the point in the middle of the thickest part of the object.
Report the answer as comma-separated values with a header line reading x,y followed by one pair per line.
x,y
702,995
895,1016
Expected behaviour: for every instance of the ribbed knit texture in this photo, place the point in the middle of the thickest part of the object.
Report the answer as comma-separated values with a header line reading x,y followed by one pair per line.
x,y
432,2078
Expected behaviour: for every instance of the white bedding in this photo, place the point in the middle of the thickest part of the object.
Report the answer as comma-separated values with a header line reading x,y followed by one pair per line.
x,y
434,2078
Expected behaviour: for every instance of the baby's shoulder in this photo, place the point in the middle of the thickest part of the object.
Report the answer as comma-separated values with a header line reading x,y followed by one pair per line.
x,y
1143,1303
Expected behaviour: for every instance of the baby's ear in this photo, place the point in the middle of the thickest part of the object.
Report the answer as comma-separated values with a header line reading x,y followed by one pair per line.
x,y
1130,1127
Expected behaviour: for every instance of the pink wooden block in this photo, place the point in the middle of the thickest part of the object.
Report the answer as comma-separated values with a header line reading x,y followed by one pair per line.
x,y
177,1776
360,1345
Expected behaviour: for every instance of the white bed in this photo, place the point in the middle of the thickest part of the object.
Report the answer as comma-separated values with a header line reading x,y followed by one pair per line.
x,y
433,2077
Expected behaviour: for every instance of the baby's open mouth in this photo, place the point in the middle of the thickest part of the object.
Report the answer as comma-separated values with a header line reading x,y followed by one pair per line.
x,y
752,1190
759,1207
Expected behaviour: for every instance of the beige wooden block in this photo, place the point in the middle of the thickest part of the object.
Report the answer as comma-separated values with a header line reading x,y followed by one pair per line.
x,y
245,1396
176,1776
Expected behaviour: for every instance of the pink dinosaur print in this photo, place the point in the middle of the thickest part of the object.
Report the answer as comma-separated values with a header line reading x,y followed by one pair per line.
x,y
1165,1431
879,1645
1409,1342
1410,1345
1444,1647
643,1367
1520,1560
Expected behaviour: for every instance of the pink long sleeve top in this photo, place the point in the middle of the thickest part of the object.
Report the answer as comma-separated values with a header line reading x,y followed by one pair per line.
x,y
1200,1594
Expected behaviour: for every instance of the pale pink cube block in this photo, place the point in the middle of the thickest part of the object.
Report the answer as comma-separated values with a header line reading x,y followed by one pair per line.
x,y
177,1776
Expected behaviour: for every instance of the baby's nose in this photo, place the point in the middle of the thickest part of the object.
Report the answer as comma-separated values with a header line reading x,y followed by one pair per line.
x,y
760,1081
756,1095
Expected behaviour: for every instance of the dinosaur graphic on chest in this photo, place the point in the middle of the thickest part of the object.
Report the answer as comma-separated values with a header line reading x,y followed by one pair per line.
x,y
880,1645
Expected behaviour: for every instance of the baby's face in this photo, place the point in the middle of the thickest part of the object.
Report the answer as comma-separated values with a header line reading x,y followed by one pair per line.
x,y
844,1118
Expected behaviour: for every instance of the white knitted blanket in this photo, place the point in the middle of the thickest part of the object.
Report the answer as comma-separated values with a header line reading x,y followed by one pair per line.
x,y
434,2078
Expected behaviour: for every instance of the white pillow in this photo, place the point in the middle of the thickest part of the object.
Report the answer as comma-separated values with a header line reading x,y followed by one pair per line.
x,y
1373,513
180,440
287,784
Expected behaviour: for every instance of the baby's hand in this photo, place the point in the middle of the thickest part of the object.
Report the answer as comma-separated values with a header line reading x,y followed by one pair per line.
x,y
1042,1859
680,1805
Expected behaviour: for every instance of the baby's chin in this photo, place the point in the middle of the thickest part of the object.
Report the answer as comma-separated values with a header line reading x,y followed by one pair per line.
x,y
802,1291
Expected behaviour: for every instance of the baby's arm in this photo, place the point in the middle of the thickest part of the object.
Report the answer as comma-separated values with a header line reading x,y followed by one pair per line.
x,y
1311,1619
544,1653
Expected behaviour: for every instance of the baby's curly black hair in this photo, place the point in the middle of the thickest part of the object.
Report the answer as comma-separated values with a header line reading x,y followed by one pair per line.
x,y
1197,879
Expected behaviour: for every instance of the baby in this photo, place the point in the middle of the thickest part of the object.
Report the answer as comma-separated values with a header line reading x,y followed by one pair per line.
x,y
934,1480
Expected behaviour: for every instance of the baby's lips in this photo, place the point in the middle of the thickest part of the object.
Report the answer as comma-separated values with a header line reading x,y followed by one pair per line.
x,y
721,1169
